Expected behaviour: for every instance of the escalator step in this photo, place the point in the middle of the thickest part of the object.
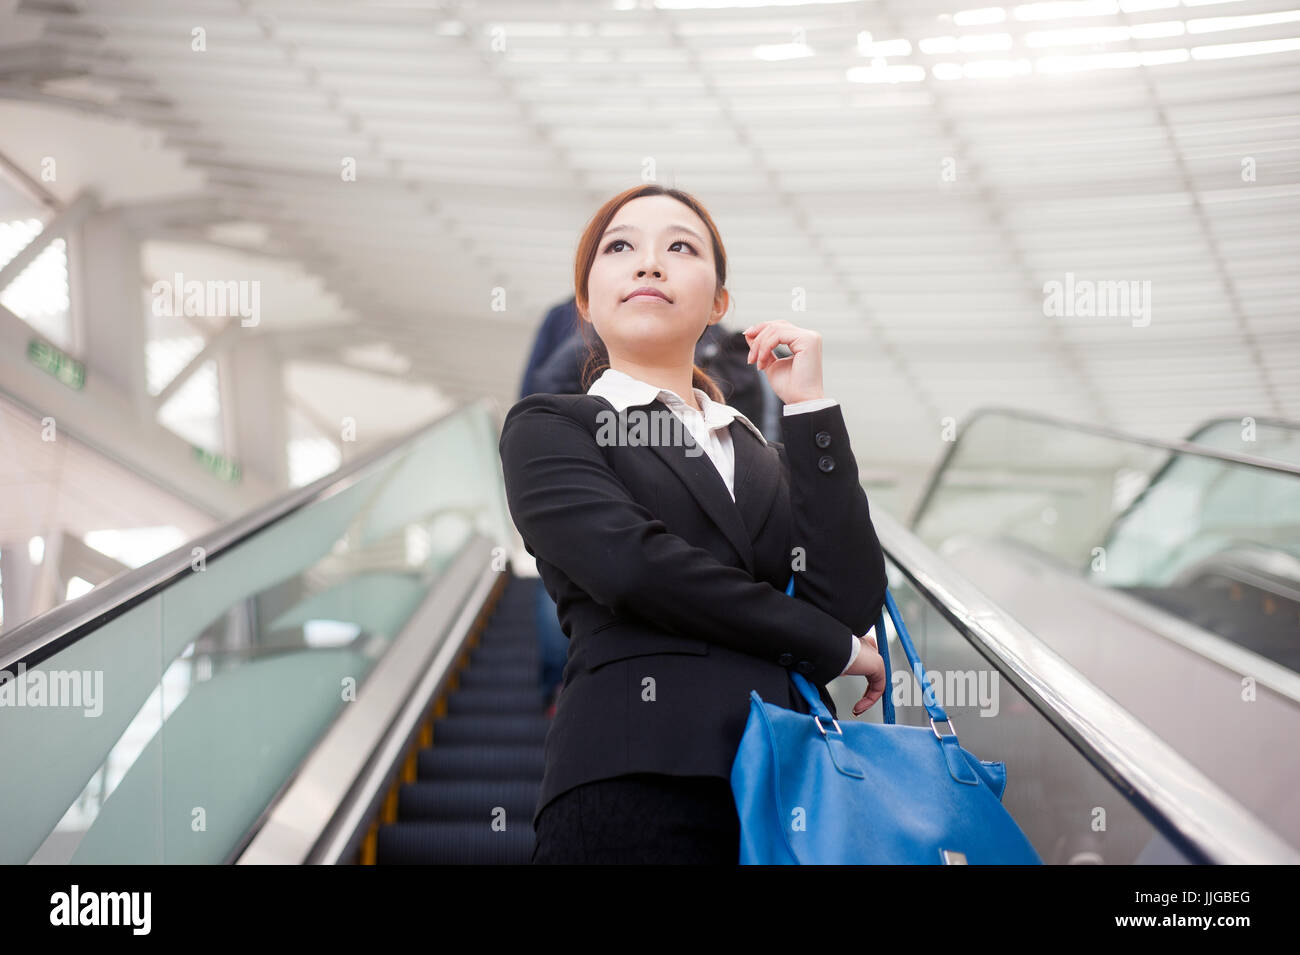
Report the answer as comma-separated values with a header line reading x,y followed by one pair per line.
x,y
487,753
471,800
495,700
520,762
510,641
500,675
455,843
495,656
490,728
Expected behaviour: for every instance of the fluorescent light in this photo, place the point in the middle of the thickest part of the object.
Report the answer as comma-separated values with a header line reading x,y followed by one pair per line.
x,y
938,44
971,43
1213,24
1152,31
1095,61
737,4
981,42
885,74
986,69
1223,51
979,17
783,51
1109,61
1083,36
1065,9
1161,57
981,69
868,47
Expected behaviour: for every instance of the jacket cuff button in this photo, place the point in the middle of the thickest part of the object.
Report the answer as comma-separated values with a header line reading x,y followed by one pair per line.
x,y
804,666
826,463
823,439
785,659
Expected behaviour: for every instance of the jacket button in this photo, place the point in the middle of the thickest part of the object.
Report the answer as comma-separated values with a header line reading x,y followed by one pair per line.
x,y
826,463
823,439
785,659
804,666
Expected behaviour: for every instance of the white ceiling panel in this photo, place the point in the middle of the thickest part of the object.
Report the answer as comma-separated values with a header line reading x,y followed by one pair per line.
x,y
920,203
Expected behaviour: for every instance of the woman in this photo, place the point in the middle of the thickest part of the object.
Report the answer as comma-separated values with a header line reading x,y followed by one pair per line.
x,y
666,528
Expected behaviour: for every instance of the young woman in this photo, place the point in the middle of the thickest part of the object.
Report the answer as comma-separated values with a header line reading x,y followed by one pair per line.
x,y
668,549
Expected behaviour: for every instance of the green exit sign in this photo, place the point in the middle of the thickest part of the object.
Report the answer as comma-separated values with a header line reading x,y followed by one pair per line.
x,y
219,465
63,367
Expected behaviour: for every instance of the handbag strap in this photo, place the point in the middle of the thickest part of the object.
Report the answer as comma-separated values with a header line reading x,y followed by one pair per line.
x,y
932,707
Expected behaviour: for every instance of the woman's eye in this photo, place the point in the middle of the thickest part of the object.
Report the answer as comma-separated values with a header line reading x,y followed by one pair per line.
x,y
610,247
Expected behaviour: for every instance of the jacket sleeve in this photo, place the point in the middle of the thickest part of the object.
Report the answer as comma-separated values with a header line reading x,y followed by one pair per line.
x,y
574,513
844,565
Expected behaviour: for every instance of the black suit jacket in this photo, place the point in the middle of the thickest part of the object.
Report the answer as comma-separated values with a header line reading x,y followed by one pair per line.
x,y
671,594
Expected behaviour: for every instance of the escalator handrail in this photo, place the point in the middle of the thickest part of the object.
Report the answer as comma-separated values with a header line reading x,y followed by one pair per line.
x,y
1269,420
59,627
1174,446
1186,806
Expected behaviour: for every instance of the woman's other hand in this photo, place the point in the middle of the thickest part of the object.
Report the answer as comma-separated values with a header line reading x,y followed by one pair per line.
x,y
870,664
796,378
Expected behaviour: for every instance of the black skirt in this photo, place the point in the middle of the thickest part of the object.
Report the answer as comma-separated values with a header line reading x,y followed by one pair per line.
x,y
641,819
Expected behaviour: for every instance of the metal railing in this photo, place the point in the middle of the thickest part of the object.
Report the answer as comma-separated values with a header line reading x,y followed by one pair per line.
x,y
59,627
1101,431
1187,807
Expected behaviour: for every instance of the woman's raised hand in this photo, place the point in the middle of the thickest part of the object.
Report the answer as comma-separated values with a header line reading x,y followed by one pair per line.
x,y
796,378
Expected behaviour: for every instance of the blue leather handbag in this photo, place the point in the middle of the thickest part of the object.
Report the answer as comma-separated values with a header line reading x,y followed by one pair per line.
x,y
812,792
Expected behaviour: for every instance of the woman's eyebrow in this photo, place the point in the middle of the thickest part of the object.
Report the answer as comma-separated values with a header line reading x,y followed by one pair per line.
x,y
671,228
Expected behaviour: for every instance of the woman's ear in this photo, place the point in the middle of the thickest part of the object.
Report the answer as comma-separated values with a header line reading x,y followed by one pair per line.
x,y
721,302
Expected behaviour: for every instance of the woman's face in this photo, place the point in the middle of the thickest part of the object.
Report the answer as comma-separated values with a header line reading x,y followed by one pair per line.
x,y
659,243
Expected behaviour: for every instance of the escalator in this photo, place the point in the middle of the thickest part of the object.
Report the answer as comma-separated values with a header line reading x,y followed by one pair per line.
x,y
1167,572
350,675
485,757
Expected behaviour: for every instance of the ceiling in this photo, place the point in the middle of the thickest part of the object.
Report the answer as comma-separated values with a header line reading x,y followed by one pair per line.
x,y
919,172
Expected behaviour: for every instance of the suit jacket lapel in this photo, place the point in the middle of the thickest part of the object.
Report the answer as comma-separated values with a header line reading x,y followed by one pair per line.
x,y
706,485
757,480
758,475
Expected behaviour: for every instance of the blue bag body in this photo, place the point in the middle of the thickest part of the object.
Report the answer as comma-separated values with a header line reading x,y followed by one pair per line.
x,y
810,791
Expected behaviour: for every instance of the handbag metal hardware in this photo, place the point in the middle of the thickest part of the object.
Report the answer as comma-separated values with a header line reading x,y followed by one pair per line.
x,y
833,720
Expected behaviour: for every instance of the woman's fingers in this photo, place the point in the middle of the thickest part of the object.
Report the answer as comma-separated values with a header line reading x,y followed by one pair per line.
x,y
762,342
776,336
875,687
764,337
